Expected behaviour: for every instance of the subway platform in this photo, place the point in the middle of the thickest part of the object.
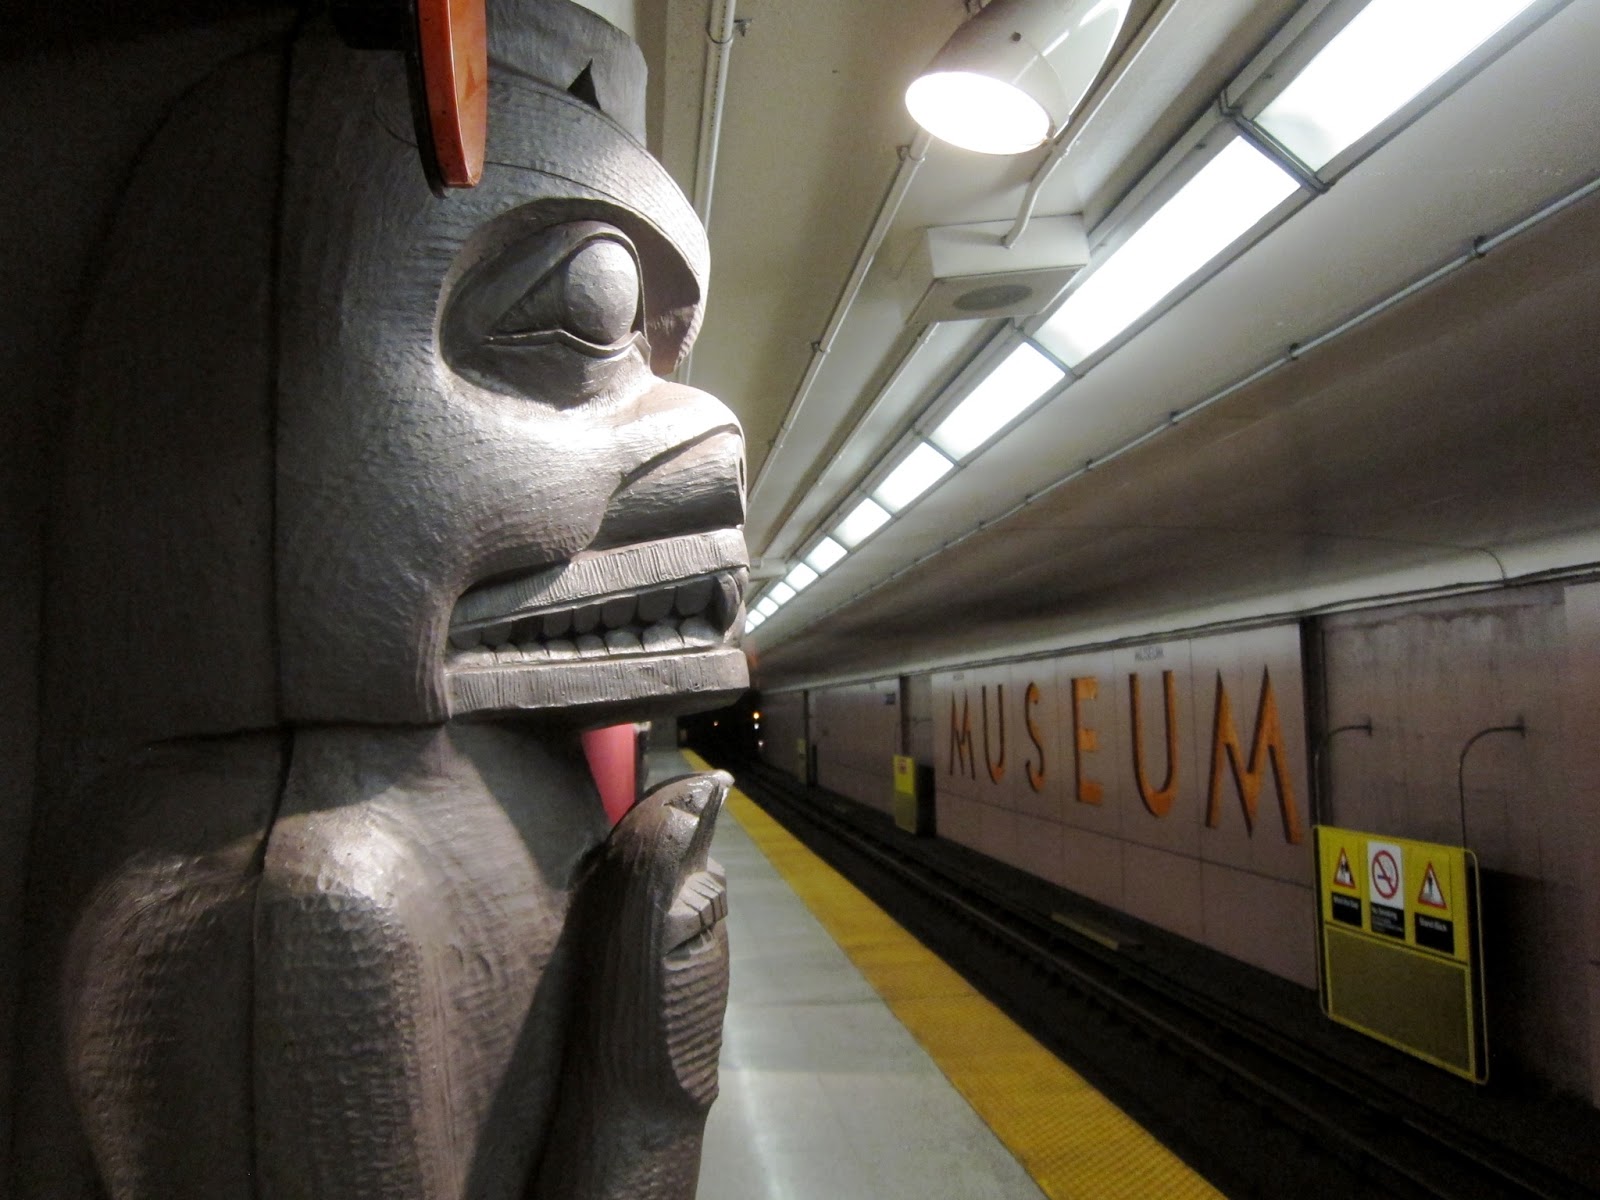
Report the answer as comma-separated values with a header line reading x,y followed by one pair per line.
x,y
1373,1122
857,1066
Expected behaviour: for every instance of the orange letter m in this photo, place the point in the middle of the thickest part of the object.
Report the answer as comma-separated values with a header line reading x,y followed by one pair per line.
x,y
1266,742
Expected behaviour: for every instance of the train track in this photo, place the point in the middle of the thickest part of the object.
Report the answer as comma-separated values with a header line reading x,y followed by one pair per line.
x,y
1259,1113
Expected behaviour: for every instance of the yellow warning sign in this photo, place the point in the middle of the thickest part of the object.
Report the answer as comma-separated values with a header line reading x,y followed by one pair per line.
x,y
1400,958
1432,895
1341,874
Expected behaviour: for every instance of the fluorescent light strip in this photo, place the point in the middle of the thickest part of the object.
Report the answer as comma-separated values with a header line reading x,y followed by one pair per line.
x,y
766,606
1382,60
1226,197
824,554
864,520
1015,383
782,592
917,472
801,577
752,621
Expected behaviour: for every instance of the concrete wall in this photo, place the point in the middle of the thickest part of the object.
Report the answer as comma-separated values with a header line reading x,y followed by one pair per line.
x,y
1035,765
1430,677
783,732
856,731
1582,716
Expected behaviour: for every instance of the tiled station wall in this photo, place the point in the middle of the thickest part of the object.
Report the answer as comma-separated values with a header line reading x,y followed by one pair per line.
x,y
856,731
1052,765
1038,764
1431,676
783,732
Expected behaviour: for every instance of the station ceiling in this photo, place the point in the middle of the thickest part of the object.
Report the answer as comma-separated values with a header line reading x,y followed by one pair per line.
x,y
1448,439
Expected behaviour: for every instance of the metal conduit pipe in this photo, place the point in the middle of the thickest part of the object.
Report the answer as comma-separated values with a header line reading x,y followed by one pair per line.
x,y
911,158
720,26
1480,247
719,37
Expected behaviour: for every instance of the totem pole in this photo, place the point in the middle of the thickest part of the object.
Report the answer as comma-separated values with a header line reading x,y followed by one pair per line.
x,y
371,500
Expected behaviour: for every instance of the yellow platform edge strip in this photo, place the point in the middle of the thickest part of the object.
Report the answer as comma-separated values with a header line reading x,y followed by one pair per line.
x,y
1073,1141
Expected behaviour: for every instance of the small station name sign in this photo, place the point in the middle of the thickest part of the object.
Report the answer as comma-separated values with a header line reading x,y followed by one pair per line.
x,y
1399,946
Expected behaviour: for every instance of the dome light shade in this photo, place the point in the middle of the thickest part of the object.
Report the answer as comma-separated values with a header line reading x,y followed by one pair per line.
x,y
977,112
1011,76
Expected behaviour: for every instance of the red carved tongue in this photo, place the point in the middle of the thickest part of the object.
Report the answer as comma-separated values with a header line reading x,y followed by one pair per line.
x,y
614,765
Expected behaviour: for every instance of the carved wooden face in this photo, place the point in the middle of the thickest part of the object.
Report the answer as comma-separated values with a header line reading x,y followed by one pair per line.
x,y
487,500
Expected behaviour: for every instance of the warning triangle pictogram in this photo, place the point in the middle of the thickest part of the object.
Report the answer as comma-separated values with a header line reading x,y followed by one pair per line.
x,y
1431,894
1342,876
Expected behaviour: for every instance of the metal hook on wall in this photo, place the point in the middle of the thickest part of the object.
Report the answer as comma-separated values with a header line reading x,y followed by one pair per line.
x,y
1316,763
1520,729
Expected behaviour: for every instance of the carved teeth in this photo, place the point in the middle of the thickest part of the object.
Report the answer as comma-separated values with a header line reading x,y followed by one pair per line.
x,y
698,629
693,614
661,637
693,596
618,611
655,605
729,592
620,641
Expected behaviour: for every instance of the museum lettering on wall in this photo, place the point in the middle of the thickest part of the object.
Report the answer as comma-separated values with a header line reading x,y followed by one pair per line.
x,y
1204,732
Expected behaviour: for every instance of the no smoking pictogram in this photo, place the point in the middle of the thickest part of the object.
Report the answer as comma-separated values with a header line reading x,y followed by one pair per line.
x,y
1385,875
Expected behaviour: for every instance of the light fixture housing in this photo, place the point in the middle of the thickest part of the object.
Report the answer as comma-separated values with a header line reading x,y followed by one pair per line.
x,y
1008,389
824,554
1009,78
1389,53
801,577
862,522
1236,189
918,471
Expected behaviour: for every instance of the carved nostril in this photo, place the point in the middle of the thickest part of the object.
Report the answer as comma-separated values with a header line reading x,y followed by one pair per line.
x,y
695,487
687,468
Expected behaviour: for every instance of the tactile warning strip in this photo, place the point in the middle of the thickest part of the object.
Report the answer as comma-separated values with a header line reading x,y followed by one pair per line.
x,y
1071,1139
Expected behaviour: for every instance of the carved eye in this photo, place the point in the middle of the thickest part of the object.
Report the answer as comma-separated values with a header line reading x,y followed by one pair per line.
x,y
593,295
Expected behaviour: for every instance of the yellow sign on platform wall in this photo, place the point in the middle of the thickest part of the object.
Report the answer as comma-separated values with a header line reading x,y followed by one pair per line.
x,y
1408,891
1399,947
905,775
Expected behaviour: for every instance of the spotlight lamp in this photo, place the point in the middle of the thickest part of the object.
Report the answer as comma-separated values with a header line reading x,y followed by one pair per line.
x,y
1009,78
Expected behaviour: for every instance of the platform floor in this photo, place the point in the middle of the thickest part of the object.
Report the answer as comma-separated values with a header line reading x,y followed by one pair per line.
x,y
856,1066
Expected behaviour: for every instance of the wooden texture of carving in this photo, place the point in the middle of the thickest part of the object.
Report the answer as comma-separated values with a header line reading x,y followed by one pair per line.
x,y
373,501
